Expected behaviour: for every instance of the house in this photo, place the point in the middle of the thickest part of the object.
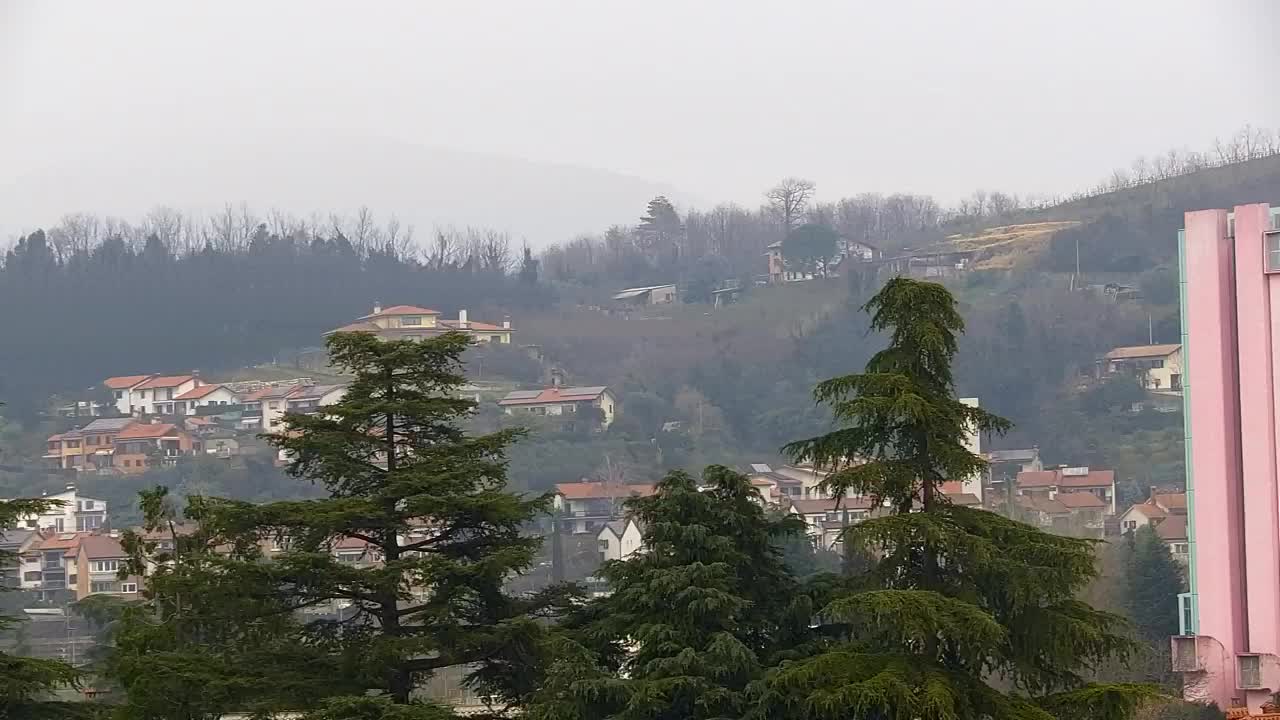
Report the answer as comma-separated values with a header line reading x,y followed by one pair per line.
x,y
357,553
144,445
410,322
620,539
64,451
1050,483
826,518
848,251
202,396
726,296
562,401
307,398
13,542
71,512
48,566
264,409
1086,510
789,482
1158,507
99,558
1157,367
650,295
121,389
1173,532
156,395
1026,458
586,506
1045,512
98,439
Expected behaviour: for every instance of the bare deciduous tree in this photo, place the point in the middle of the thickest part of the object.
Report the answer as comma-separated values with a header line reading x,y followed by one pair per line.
x,y
788,201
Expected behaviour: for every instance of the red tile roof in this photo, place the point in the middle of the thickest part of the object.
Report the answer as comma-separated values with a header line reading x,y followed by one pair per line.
x,y
198,392
1080,500
401,310
1043,504
1172,529
600,490
1142,351
964,499
96,547
1050,478
357,327
1171,501
553,395
59,541
166,381
148,431
124,382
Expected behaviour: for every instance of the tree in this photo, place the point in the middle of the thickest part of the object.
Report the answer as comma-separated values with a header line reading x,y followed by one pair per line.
x,y
1152,583
429,506
27,684
955,595
809,248
691,621
788,201
660,228
528,267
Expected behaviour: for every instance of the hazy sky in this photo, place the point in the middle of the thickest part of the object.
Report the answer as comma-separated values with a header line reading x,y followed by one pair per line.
x,y
718,99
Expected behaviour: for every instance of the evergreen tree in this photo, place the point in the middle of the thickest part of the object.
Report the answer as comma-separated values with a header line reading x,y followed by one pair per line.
x,y
956,596
692,620
1152,583
429,506
660,227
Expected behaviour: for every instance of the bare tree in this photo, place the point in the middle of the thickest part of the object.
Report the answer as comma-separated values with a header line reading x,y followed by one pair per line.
x,y
493,249
788,201
444,249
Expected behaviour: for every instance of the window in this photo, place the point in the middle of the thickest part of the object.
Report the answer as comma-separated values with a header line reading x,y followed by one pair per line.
x,y
1273,251
129,588
88,522
104,566
32,576
119,394
1250,675
102,586
60,524
411,320
350,557
1179,548
1130,525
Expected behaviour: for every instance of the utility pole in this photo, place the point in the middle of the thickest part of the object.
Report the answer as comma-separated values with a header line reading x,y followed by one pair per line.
x,y
557,550
1151,339
1075,279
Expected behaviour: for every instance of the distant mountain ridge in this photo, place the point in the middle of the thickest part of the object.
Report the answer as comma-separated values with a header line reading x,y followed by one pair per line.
x,y
314,173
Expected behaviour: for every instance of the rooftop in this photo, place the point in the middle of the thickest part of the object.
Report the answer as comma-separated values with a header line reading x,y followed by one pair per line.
x,y
124,382
198,392
1080,501
601,490
1066,478
107,425
1173,528
629,293
400,310
1135,352
553,395
166,381
148,431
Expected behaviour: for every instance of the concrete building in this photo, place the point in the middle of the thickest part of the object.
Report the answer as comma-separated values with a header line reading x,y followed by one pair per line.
x,y
1157,367
1229,646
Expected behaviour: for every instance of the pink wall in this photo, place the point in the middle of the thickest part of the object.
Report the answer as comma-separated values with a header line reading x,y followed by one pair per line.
x,y
1214,425
1257,421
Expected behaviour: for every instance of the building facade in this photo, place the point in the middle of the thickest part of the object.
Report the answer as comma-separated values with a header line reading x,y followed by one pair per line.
x,y
1229,646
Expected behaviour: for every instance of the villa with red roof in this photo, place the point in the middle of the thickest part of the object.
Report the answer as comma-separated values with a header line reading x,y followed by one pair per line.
x,y
562,401
410,322
143,445
1052,484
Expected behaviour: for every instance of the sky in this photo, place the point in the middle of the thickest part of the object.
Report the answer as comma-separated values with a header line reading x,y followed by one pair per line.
x,y
715,100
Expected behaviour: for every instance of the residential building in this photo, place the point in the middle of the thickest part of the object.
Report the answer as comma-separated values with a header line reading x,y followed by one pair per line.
x,y
789,482
308,398
826,518
144,445
586,506
157,395
87,448
14,542
1173,533
64,451
620,539
264,409
71,512
562,401
1229,649
1158,507
1025,458
649,295
202,396
1051,483
121,389
1157,367
99,558
49,565
847,251
973,443
410,322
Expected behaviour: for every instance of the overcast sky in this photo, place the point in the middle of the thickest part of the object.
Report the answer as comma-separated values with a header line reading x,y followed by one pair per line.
x,y
718,99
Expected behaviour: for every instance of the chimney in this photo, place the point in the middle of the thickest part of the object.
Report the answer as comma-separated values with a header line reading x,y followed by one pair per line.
x,y
377,307
462,320
71,487
506,322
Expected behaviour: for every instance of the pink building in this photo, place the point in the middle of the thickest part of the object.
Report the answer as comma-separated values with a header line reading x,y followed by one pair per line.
x,y
1229,649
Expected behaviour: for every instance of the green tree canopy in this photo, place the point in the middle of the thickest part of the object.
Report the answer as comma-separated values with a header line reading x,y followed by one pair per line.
x,y
957,596
810,248
1152,583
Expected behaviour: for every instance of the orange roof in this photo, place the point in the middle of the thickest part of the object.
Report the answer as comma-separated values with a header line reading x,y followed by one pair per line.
x,y
147,431
1080,500
1050,478
1133,352
166,381
101,546
402,310
594,490
59,541
197,392
1173,529
554,395
123,382
1171,501
357,327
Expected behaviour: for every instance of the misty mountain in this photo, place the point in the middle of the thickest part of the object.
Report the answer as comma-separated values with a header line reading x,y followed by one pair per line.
x,y
304,174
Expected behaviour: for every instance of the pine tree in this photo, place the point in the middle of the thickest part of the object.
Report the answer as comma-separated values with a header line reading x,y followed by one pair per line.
x,y
1152,583
428,506
957,596
692,621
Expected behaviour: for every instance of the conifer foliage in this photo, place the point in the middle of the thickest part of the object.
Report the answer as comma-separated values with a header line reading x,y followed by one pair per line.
x,y
964,613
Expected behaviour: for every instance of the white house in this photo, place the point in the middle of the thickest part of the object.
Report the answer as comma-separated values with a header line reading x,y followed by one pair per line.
x,y
73,513
562,401
620,539
157,395
1158,367
121,389
1157,508
203,395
